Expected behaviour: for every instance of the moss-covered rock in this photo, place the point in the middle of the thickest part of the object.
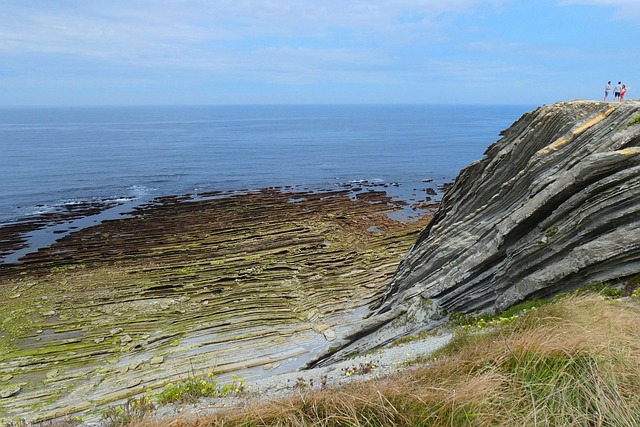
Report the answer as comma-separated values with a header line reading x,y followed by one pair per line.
x,y
224,285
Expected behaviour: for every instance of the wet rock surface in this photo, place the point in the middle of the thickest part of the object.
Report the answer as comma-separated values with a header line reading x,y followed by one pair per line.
x,y
15,235
253,284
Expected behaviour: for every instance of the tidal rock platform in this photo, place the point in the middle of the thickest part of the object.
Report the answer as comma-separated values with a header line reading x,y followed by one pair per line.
x,y
252,284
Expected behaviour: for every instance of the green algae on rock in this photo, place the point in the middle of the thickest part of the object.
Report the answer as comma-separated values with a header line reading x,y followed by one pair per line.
x,y
189,287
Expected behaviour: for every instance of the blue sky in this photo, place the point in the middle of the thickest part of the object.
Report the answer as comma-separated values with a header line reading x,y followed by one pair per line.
x,y
158,52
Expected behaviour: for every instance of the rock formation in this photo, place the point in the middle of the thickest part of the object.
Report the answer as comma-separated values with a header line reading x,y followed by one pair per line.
x,y
553,206
250,284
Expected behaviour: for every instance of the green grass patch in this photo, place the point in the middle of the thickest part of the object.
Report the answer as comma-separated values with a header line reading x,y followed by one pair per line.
x,y
551,232
602,288
480,321
193,388
634,121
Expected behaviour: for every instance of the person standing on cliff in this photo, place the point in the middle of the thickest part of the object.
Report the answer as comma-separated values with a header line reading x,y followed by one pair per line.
x,y
616,92
607,89
623,90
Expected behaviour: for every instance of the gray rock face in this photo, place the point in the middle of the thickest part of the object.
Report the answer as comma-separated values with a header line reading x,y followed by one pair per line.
x,y
553,205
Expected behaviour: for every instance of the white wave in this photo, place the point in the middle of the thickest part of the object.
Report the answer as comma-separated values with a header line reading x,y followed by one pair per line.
x,y
141,190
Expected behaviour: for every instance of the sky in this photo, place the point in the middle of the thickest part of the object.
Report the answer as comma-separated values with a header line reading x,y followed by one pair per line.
x,y
209,52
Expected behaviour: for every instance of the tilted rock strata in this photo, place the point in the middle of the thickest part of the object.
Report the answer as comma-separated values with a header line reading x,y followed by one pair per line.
x,y
182,288
554,205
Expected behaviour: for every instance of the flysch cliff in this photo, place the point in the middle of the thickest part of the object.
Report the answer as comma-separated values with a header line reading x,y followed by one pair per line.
x,y
554,205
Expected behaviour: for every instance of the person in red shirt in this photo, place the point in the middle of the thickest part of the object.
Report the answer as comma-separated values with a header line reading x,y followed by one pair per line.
x,y
623,90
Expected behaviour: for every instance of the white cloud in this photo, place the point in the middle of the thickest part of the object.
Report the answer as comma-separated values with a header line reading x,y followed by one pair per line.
x,y
270,41
126,29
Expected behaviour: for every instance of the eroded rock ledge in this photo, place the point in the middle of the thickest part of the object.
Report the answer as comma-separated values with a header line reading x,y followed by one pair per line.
x,y
553,206
253,284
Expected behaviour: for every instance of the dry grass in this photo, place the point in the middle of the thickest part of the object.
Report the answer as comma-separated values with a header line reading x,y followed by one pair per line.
x,y
572,363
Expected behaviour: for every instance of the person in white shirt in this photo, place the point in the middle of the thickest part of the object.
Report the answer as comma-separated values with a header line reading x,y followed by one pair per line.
x,y
616,92
607,89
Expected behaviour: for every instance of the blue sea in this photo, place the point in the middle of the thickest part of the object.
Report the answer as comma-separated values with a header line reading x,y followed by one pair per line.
x,y
52,157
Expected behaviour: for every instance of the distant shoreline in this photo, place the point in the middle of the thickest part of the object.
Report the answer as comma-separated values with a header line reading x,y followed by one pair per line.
x,y
26,235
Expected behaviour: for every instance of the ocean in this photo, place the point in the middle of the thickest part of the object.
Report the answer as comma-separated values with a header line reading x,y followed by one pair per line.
x,y
55,156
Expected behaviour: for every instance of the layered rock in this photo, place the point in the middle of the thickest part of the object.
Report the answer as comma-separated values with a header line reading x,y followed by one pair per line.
x,y
553,206
250,284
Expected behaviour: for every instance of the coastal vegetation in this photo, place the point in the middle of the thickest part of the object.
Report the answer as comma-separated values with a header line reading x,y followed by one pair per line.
x,y
192,389
635,120
571,361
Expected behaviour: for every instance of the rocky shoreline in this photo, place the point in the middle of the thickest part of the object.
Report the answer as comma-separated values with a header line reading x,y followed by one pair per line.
x,y
254,284
15,235
551,208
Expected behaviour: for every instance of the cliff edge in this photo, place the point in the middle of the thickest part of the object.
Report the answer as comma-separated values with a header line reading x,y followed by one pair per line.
x,y
552,206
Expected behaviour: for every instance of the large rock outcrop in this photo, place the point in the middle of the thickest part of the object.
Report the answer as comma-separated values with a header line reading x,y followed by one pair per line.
x,y
554,205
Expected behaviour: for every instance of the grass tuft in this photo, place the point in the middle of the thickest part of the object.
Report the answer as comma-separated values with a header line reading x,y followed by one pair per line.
x,y
132,411
572,362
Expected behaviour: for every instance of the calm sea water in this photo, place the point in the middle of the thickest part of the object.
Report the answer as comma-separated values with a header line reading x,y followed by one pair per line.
x,y
53,156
